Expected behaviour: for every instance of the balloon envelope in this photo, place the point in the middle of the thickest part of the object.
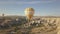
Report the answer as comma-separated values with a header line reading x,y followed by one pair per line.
x,y
29,12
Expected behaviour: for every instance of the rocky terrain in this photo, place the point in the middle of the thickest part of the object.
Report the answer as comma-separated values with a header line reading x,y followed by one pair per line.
x,y
38,25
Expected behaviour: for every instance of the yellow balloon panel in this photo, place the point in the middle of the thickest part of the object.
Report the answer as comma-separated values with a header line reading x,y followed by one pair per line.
x,y
29,9
29,12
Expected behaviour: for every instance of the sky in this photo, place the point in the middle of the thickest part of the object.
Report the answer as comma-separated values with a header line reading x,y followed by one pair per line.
x,y
41,7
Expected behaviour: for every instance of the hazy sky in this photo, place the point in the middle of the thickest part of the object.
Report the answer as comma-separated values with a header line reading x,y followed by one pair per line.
x,y
42,7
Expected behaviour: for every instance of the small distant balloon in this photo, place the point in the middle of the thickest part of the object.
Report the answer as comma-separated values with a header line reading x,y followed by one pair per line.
x,y
29,12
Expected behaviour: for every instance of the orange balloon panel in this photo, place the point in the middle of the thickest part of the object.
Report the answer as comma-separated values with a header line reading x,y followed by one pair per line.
x,y
29,16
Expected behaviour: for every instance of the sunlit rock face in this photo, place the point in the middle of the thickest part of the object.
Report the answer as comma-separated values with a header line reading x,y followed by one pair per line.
x,y
45,25
29,12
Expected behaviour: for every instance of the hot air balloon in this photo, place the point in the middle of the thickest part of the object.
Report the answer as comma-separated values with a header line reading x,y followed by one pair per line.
x,y
29,12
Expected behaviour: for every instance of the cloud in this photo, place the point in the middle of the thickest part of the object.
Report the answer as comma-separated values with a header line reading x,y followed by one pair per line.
x,y
25,2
